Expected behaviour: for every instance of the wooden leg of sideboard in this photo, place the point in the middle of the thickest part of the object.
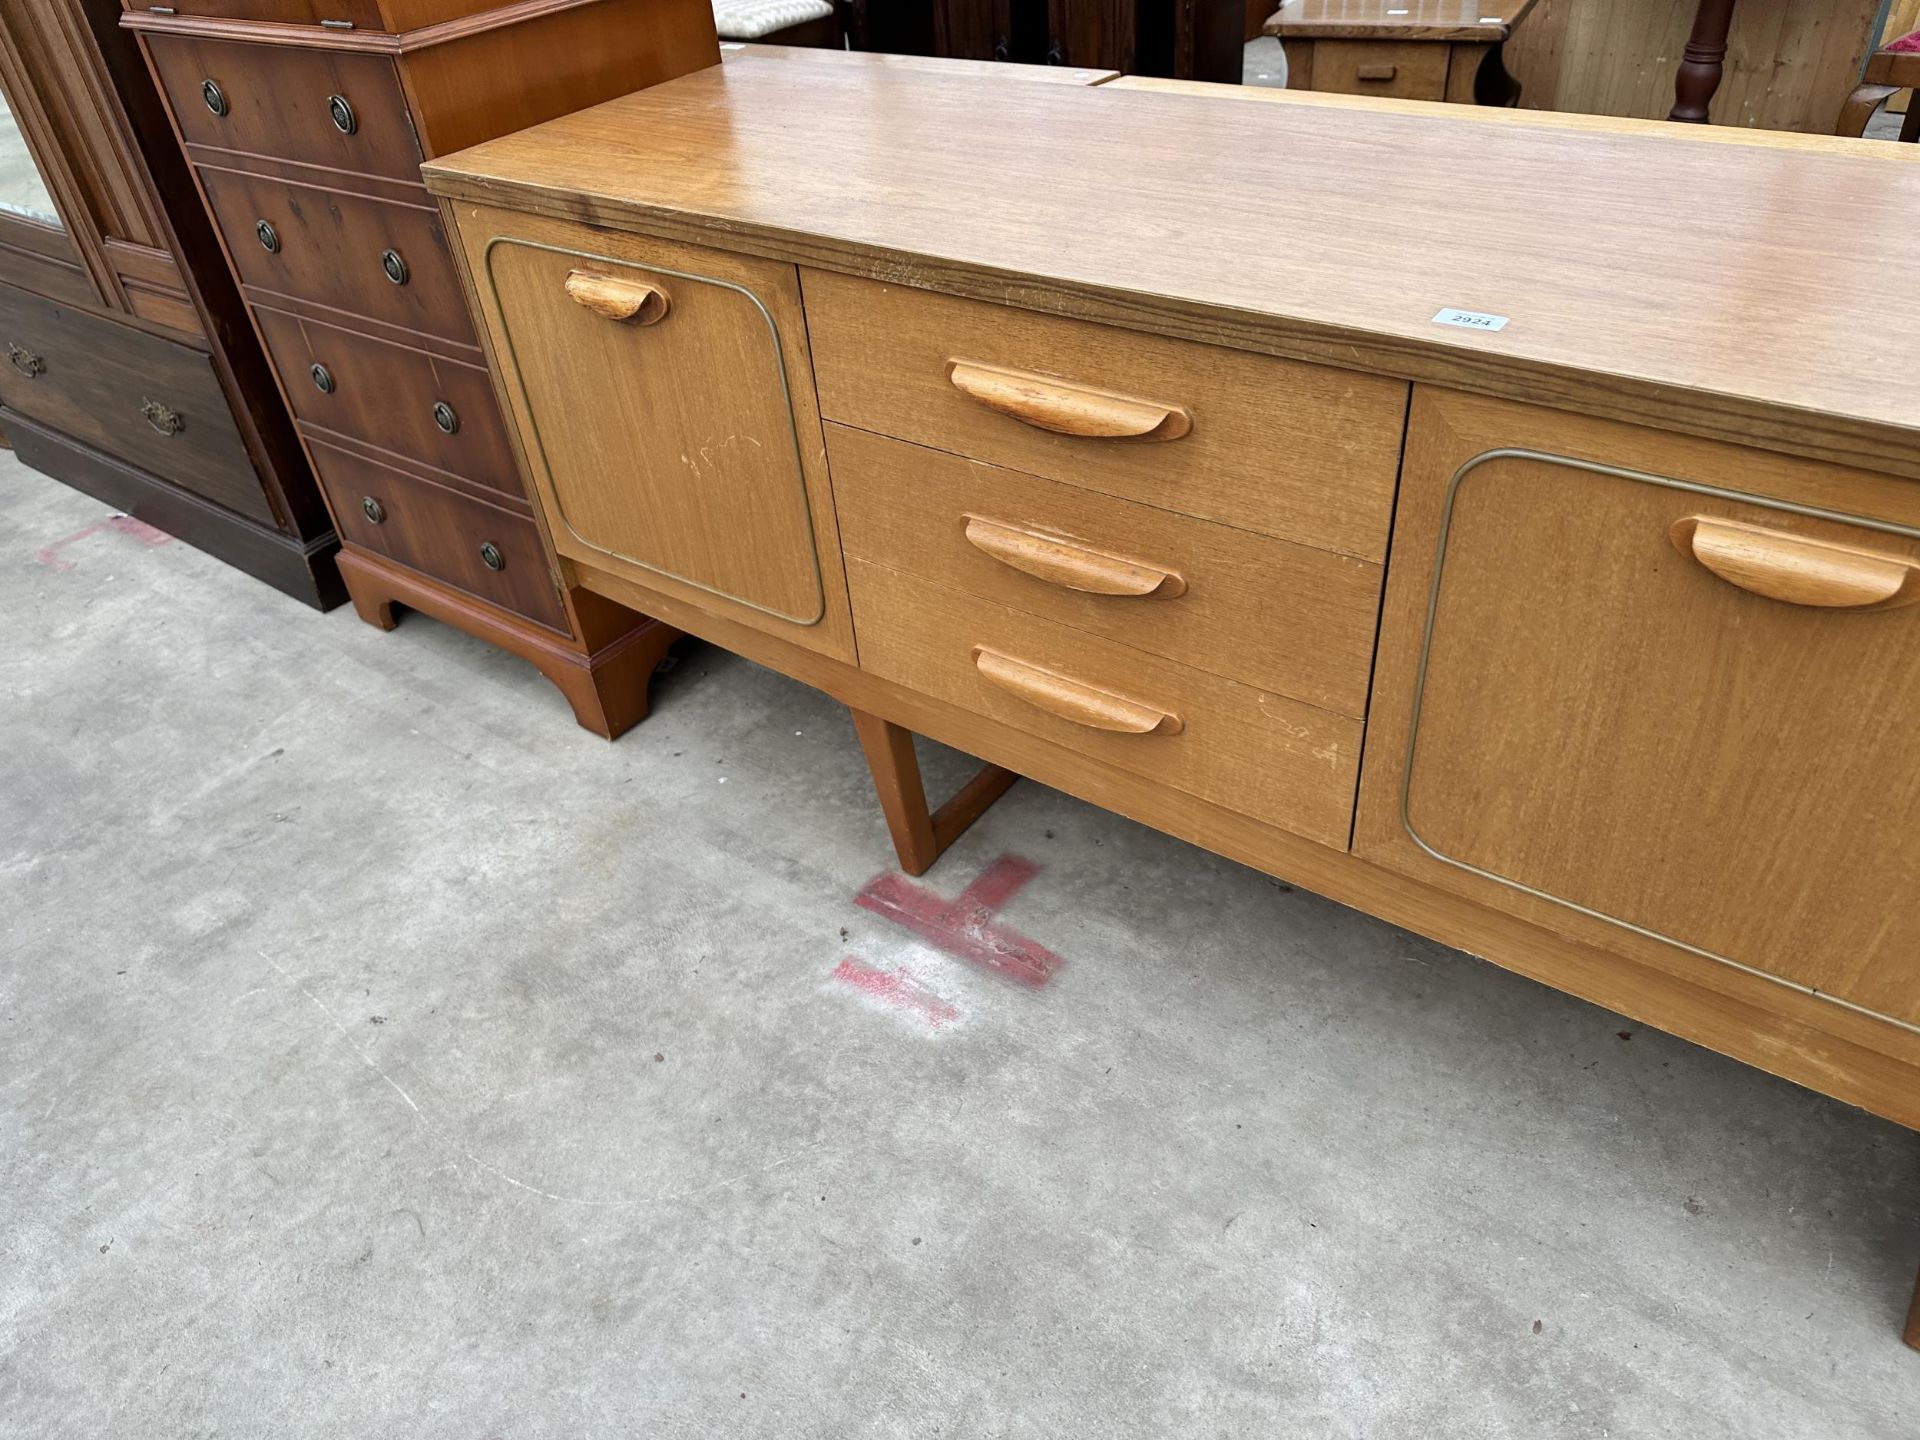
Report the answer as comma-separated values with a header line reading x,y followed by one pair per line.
x,y
609,690
920,835
1913,1316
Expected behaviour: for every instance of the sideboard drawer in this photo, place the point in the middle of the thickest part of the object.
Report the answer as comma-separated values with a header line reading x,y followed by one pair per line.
x,y
329,108
373,258
439,412
1289,764
1282,616
491,553
151,402
1301,451
1646,689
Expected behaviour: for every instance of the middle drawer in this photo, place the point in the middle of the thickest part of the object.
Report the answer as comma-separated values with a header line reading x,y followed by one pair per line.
x,y
1282,616
428,408
375,258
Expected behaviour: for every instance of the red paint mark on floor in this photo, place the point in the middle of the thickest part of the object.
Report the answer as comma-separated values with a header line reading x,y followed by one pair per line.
x,y
899,988
50,556
964,927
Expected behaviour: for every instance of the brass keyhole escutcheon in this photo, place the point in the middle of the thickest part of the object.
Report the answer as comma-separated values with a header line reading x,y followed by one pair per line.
x,y
344,119
373,510
395,267
491,557
215,97
26,362
162,418
444,417
322,378
268,237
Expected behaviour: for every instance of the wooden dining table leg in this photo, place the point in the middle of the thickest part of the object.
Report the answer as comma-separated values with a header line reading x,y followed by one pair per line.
x,y
1702,62
920,836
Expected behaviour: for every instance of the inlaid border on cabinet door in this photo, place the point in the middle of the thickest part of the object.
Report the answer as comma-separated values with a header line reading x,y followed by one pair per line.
x,y
545,476
1616,472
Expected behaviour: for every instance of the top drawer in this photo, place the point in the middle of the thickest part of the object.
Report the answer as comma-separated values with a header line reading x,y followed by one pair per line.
x,y
360,14
1300,451
318,107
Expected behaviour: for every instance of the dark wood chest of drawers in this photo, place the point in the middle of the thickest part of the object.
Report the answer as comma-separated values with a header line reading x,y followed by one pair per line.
x,y
305,123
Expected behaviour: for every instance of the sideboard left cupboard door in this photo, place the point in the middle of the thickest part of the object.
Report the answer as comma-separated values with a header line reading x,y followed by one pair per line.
x,y
1657,694
665,397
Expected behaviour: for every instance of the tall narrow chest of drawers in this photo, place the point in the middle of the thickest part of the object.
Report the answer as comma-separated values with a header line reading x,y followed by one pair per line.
x,y
305,123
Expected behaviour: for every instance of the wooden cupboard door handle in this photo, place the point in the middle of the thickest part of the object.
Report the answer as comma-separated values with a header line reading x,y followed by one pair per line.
x,y
1795,569
1376,72
617,299
1072,699
1064,563
1065,408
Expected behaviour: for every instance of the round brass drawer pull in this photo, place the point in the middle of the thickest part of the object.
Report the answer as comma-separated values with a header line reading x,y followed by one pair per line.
x,y
491,557
344,119
373,510
268,237
444,417
26,362
322,378
167,421
395,267
215,97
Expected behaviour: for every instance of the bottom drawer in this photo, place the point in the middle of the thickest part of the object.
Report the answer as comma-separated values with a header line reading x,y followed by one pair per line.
x,y
492,554
1278,760
152,403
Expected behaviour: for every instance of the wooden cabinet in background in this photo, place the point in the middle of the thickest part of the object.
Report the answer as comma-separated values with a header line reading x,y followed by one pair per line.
x,y
1187,39
305,124
130,371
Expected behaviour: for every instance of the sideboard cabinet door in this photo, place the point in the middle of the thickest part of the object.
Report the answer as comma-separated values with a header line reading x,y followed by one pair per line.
x,y
1655,693
665,403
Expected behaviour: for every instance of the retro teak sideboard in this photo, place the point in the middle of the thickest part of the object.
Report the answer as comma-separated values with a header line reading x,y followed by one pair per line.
x,y
1409,506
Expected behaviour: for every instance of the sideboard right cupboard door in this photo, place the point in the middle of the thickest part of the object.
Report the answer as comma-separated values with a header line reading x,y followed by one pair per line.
x,y
672,430
1655,693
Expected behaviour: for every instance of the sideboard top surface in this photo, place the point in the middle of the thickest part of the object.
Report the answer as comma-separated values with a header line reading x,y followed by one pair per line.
x,y
1748,292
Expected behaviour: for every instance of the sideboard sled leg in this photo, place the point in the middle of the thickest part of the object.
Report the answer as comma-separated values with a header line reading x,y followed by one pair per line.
x,y
1913,1317
920,836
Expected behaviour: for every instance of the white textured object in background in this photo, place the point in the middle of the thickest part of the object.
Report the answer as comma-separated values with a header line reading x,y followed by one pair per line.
x,y
751,19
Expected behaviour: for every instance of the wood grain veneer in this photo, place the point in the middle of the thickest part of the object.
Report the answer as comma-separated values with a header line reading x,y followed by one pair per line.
x,y
1766,301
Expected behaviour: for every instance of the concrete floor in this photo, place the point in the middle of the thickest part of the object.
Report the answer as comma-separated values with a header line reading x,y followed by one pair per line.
x,y
380,1055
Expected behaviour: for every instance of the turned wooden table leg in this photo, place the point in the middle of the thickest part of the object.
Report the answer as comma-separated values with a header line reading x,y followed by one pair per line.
x,y
1913,1317
920,836
1700,66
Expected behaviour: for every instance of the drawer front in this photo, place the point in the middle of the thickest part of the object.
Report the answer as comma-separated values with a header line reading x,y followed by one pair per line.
x,y
339,110
1403,69
436,411
360,14
1299,451
334,249
1277,615
1688,711
155,404
1275,759
493,554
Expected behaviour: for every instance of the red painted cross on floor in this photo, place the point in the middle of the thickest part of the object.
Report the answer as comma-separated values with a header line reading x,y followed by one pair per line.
x,y
964,927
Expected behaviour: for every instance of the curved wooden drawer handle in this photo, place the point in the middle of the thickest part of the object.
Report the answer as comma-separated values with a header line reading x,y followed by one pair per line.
x,y
618,299
1795,569
1065,408
1062,562
1072,700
